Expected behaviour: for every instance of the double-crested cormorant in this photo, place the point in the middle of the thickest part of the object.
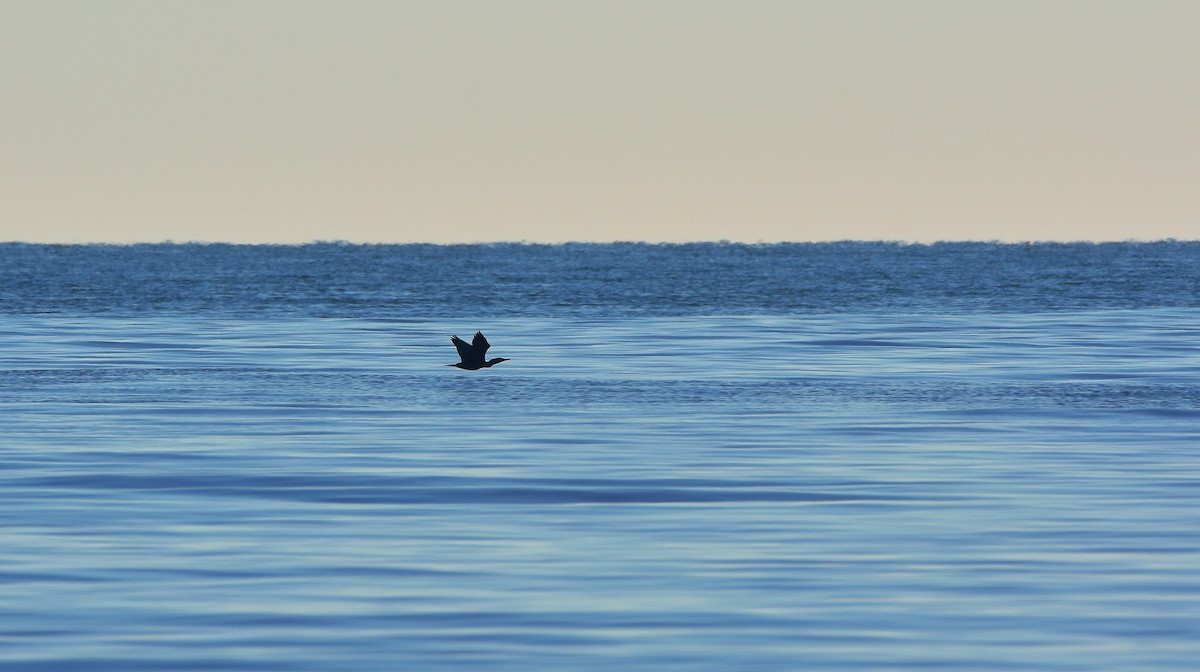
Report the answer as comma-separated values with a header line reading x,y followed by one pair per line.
x,y
473,355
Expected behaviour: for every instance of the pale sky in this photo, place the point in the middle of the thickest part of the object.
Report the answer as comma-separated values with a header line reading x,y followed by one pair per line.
x,y
555,120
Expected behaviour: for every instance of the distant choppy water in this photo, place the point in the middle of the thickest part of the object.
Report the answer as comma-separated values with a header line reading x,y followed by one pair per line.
x,y
705,457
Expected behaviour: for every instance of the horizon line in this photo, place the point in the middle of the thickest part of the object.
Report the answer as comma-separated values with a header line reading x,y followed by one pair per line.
x,y
723,241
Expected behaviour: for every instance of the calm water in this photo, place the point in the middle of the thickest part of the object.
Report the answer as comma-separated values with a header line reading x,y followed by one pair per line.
x,y
706,457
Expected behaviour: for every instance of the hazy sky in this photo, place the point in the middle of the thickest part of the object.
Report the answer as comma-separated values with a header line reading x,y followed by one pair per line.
x,y
658,120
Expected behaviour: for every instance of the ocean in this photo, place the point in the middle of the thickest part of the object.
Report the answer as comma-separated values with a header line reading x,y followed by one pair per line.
x,y
840,456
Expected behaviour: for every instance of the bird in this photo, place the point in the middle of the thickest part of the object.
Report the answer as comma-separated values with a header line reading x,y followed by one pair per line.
x,y
472,355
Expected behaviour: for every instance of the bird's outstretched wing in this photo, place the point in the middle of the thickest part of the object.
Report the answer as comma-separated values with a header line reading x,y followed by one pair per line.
x,y
479,344
464,348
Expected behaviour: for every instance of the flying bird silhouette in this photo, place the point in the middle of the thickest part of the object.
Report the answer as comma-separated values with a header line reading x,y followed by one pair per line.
x,y
472,355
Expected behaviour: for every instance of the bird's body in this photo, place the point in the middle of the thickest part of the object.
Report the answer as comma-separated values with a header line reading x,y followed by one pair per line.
x,y
473,354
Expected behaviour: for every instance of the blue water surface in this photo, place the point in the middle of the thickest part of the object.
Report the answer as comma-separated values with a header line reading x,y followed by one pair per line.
x,y
853,456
